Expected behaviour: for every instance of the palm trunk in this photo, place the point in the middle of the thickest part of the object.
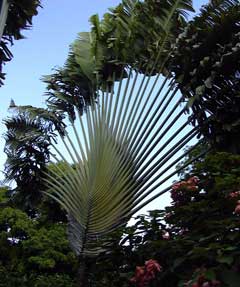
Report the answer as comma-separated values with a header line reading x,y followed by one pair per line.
x,y
82,275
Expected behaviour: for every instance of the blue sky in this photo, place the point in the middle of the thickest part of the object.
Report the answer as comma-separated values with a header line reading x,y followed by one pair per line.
x,y
46,47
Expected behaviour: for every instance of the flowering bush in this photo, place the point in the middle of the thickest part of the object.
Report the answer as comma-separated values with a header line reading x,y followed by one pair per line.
x,y
196,238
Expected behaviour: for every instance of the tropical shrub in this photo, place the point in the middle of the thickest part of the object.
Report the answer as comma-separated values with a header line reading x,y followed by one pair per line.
x,y
195,240
33,252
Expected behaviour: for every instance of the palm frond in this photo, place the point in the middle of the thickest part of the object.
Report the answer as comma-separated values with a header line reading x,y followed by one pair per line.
x,y
27,143
212,11
30,116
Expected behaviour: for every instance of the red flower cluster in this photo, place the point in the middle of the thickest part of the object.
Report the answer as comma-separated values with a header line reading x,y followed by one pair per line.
x,y
237,209
144,274
190,184
178,195
233,195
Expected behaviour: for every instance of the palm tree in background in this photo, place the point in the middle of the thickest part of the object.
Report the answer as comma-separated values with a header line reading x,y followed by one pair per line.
x,y
28,137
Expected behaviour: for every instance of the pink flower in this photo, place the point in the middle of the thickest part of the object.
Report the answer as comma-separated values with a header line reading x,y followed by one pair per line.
x,y
144,274
193,180
237,209
139,276
152,266
176,186
234,194
166,235
139,271
192,187
190,184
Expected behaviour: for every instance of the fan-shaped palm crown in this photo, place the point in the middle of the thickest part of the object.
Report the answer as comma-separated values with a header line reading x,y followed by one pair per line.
x,y
118,153
124,148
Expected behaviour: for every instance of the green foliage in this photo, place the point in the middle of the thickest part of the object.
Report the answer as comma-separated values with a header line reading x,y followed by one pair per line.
x,y
29,134
132,32
20,17
57,280
20,14
198,235
135,33
68,88
14,279
205,63
204,60
3,195
33,253
27,149
48,248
